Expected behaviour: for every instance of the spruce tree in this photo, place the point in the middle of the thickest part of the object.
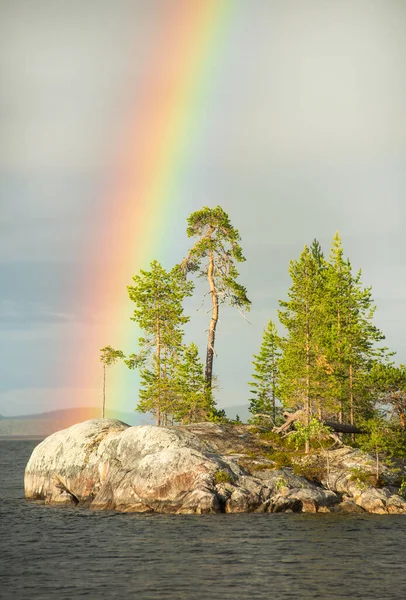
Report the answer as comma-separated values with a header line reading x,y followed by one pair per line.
x,y
301,316
194,400
158,296
265,376
352,335
214,256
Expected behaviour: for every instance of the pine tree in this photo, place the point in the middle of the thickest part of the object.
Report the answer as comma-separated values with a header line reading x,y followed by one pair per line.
x,y
213,256
265,375
158,296
108,357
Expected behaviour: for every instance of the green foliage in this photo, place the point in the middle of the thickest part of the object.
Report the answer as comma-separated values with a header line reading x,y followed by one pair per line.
x,y
216,235
265,375
193,400
302,364
314,432
352,336
222,476
214,256
383,438
217,415
109,356
158,297
280,483
389,385
281,458
331,341
363,479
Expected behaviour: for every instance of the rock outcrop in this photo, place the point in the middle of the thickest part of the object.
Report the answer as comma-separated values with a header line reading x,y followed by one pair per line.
x,y
351,473
107,465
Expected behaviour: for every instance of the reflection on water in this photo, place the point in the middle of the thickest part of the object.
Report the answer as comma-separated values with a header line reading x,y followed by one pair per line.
x,y
61,553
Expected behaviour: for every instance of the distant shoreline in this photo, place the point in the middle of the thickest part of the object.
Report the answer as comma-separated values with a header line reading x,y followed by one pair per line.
x,y
10,438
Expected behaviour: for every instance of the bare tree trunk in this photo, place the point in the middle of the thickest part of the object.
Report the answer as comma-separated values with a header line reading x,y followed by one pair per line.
x,y
341,411
328,469
377,464
213,322
351,399
273,390
307,399
104,392
158,372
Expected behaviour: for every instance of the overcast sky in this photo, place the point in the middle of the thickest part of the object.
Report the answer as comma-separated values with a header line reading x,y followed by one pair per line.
x,y
302,134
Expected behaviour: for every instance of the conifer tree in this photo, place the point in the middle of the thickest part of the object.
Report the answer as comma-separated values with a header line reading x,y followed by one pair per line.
x,y
213,257
352,334
108,357
158,296
389,384
300,315
194,400
265,376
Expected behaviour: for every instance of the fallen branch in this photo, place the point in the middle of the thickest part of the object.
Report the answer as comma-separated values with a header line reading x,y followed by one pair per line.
x,y
300,416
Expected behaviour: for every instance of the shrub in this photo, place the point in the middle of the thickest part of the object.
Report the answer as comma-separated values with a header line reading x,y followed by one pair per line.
x,y
310,472
363,479
281,458
280,483
261,467
221,476
273,438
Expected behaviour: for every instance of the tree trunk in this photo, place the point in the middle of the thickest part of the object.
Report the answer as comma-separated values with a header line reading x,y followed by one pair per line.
x,y
341,412
343,427
377,465
307,399
158,371
213,322
351,399
104,392
273,390
351,396
300,416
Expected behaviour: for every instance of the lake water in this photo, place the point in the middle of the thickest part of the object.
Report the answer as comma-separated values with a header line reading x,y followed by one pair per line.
x,y
61,553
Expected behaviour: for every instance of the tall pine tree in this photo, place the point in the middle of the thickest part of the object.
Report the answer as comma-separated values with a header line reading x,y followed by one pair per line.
x,y
214,256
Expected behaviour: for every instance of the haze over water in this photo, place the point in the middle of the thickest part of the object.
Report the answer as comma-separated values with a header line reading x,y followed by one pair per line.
x,y
65,553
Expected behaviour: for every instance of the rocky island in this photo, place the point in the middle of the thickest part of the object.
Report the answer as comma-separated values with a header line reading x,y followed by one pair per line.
x,y
105,464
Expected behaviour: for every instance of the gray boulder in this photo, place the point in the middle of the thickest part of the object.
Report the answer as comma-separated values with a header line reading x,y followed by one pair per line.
x,y
107,465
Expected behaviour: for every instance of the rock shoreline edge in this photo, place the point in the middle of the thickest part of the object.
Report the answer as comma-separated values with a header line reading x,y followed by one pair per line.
x,y
105,464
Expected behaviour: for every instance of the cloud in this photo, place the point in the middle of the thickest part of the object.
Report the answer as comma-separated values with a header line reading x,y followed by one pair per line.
x,y
300,132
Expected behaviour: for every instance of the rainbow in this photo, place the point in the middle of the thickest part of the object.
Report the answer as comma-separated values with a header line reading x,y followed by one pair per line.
x,y
160,143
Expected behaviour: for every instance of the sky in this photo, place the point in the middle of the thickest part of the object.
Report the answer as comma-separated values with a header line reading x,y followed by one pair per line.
x,y
300,132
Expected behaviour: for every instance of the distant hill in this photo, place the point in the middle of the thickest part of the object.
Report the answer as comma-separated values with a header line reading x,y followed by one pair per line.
x,y
43,424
